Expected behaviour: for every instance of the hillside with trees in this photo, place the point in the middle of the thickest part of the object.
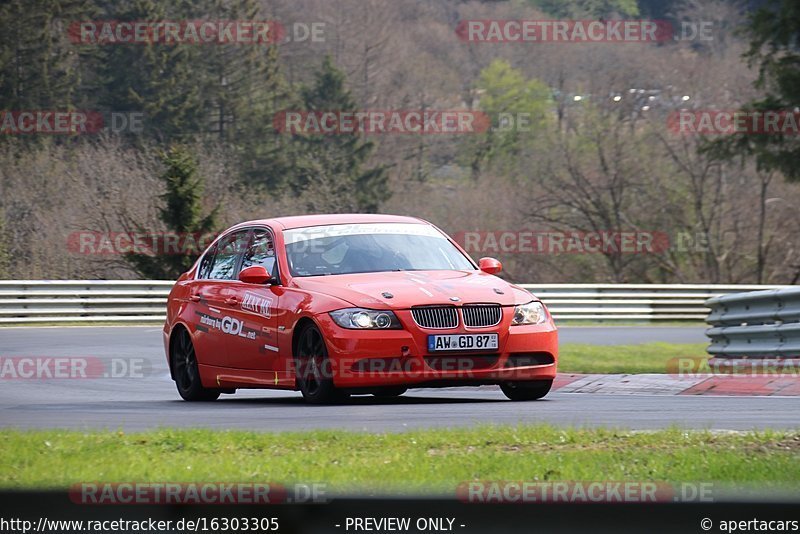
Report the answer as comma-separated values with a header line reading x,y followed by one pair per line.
x,y
199,148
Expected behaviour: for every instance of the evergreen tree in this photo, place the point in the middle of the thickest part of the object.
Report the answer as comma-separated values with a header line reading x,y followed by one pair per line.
x,y
39,67
774,31
182,216
338,159
229,92
243,89
267,156
162,81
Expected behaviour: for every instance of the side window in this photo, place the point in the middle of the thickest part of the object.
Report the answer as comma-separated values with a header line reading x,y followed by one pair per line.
x,y
205,265
228,252
261,252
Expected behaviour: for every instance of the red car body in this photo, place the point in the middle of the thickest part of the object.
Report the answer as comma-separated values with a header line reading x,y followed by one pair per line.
x,y
245,334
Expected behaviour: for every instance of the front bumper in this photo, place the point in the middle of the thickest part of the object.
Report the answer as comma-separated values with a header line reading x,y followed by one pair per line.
x,y
375,358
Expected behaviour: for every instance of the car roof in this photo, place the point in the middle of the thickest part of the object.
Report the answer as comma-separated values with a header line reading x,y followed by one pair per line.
x,y
301,221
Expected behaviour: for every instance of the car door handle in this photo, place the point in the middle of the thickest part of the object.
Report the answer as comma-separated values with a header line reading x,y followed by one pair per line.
x,y
231,300
195,298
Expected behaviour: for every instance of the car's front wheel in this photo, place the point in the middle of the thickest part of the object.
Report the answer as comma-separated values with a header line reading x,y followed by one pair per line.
x,y
526,391
186,372
313,368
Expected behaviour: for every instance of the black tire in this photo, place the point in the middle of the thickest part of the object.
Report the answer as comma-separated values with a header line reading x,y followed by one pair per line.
x,y
526,391
186,372
389,392
313,368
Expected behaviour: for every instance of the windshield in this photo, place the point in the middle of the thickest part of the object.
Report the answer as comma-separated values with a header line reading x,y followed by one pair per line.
x,y
368,248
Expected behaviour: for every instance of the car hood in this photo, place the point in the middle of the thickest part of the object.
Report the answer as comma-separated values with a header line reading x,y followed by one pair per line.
x,y
404,289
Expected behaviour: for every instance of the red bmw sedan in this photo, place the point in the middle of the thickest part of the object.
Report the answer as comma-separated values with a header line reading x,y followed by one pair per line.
x,y
335,305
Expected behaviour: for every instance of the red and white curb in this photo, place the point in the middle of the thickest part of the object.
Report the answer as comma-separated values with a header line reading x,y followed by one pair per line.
x,y
665,384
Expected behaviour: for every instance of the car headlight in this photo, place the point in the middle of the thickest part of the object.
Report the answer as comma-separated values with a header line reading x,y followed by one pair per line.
x,y
363,319
530,313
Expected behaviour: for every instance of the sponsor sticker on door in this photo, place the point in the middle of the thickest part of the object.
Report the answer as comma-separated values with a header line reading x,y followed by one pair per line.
x,y
257,304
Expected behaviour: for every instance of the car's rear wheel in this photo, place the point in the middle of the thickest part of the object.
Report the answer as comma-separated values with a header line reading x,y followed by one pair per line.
x,y
186,372
390,392
313,368
526,391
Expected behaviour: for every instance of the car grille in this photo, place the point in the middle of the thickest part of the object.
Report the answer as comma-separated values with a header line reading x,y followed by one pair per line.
x,y
435,316
482,315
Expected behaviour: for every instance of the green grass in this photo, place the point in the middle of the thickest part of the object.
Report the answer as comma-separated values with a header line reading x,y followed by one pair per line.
x,y
434,461
632,359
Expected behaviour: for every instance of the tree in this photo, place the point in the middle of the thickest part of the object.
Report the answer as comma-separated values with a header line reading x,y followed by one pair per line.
x,y
587,8
162,81
336,162
517,108
266,155
244,89
595,176
39,68
5,257
182,216
774,31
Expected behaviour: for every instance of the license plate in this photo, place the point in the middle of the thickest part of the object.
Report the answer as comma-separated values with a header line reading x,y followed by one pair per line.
x,y
462,342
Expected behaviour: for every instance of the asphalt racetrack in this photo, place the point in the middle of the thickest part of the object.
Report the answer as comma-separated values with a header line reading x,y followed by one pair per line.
x,y
152,402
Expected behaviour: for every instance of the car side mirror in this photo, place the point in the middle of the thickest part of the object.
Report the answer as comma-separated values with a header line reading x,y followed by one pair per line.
x,y
490,265
256,274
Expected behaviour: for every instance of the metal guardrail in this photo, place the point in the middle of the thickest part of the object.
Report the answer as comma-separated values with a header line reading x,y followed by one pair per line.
x,y
755,324
68,301
632,302
133,301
